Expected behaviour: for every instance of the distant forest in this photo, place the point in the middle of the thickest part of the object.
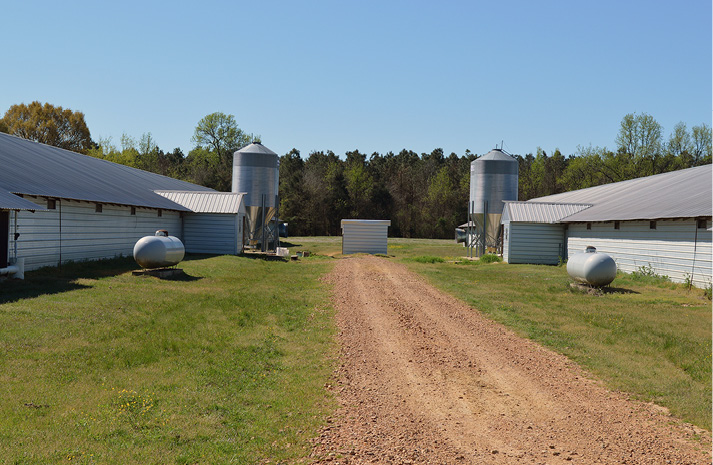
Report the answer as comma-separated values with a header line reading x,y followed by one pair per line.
x,y
424,195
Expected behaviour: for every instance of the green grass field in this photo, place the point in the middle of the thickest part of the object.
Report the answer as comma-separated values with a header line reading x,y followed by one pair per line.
x,y
228,363
225,365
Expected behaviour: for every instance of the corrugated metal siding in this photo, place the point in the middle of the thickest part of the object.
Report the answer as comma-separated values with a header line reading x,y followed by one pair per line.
x,y
256,173
206,202
678,194
212,233
364,237
506,241
85,235
668,249
535,212
535,243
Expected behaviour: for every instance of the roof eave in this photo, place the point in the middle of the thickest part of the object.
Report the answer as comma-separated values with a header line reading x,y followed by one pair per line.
x,y
175,206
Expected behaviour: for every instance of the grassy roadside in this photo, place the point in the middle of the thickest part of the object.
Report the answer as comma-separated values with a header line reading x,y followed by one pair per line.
x,y
647,336
225,365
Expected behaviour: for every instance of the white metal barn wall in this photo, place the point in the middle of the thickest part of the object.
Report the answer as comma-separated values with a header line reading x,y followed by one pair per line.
x,y
364,236
85,234
668,249
536,243
214,233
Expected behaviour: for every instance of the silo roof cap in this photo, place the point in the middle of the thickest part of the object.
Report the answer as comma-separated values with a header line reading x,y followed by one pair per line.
x,y
496,154
256,147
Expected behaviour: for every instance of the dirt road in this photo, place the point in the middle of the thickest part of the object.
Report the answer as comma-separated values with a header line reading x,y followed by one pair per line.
x,y
424,379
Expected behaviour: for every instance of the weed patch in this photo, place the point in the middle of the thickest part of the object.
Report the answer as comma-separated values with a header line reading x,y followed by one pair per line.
x,y
490,258
427,259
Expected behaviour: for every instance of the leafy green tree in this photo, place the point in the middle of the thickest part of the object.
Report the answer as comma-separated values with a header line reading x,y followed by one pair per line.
x,y
217,136
381,201
679,142
325,196
701,144
337,196
172,164
359,184
49,125
107,150
103,147
593,166
292,192
639,144
315,194
402,186
442,201
527,187
203,168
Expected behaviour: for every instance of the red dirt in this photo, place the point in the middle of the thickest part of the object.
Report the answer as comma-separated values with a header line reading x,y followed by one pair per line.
x,y
425,379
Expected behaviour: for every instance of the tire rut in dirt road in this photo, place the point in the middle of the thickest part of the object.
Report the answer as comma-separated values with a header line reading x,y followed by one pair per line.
x,y
423,378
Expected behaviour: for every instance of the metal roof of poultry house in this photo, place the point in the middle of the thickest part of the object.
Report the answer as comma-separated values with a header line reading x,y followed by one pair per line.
x,y
678,194
32,168
206,202
540,212
10,201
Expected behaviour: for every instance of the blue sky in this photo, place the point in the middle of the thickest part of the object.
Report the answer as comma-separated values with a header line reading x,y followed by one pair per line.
x,y
374,76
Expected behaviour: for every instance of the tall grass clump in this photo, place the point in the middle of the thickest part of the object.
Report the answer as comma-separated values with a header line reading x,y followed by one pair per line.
x,y
490,258
428,259
646,274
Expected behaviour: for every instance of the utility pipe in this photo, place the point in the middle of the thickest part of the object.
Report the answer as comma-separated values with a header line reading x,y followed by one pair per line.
x,y
695,244
14,238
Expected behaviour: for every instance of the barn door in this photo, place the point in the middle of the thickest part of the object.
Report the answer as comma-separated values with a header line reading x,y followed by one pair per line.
x,y
4,236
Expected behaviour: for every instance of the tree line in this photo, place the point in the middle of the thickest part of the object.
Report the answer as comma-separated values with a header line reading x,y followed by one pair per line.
x,y
424,195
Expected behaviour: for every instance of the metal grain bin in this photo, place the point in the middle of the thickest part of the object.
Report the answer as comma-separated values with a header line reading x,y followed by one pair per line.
x,y
256,173
493,179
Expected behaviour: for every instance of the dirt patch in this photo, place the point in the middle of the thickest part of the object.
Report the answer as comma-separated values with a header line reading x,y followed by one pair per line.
x,y
423,378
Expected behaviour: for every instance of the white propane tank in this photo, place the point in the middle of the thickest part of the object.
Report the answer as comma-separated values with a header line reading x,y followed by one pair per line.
x,y
592,267
159,250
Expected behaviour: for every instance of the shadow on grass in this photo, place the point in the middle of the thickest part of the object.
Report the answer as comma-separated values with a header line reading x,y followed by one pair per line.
x,y
55,280
618,290
189,257
167,274
183,277
265,257
585,289
253,255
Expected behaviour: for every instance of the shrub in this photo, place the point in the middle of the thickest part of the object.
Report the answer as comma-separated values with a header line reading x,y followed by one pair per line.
x,y
490,258
647,275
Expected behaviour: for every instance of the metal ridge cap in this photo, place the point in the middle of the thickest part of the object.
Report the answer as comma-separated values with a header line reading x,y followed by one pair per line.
x,y
530,202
